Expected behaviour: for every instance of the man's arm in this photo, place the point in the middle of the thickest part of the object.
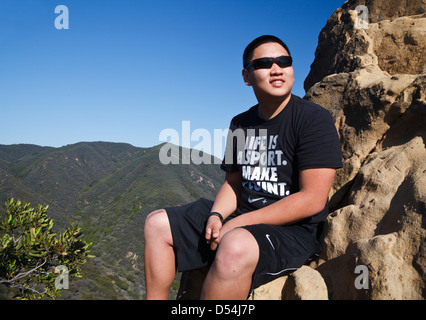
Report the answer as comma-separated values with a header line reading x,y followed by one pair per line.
x,y
315,185
225,203
226,200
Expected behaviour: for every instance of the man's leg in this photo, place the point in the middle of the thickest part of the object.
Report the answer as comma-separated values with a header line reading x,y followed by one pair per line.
x,y
231,274
160,269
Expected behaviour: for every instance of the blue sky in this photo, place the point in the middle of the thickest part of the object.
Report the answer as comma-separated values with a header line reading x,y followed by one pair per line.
x,y
127,69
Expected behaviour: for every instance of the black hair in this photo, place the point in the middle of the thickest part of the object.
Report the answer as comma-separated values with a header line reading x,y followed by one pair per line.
x,y
249,50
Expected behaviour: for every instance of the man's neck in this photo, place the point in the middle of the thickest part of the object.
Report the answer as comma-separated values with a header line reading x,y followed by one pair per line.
x,y
270,109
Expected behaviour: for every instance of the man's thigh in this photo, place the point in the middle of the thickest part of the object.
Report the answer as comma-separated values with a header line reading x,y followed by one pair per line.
x,y
282,249
188,224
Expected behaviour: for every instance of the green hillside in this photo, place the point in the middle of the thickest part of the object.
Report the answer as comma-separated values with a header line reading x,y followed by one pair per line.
x,y
108,188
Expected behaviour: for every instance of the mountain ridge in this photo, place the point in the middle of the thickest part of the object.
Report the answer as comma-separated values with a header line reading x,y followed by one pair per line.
x,y
108,188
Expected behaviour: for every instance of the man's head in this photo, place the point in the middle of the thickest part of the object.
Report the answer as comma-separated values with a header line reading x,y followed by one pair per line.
x,y
268,69
248,52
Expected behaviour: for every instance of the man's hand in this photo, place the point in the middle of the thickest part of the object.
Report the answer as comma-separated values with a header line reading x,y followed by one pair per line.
x,y
213,231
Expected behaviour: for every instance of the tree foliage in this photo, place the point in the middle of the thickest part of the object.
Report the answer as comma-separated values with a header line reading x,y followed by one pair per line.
x,y
31,254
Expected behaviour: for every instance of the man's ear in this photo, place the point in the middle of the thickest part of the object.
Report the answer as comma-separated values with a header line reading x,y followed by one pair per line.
x,y
246,77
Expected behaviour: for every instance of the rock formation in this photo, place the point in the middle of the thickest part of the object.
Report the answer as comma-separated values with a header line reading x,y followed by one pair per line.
x,y
303,284
373,82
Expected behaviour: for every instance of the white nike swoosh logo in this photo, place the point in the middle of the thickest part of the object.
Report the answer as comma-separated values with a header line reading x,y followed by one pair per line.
x,y
250,200
269,239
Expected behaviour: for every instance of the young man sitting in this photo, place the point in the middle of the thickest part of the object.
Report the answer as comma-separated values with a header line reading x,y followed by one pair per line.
x,y
280,162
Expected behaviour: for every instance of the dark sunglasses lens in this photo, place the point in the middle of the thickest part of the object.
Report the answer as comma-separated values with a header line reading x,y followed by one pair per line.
x,y
263,63
284,61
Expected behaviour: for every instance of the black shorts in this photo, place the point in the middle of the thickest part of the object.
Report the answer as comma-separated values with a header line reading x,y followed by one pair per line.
x,y
282,248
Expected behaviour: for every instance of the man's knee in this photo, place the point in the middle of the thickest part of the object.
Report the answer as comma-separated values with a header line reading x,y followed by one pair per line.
x,y
238,252
157,225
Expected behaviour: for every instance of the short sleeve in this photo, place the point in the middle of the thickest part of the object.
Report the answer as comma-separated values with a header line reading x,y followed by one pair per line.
x,y
318,143
229,162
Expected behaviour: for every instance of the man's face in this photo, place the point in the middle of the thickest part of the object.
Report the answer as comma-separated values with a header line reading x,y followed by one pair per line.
x,y
272,83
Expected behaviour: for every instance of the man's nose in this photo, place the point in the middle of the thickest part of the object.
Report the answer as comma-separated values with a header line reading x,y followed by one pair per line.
x,y
276,69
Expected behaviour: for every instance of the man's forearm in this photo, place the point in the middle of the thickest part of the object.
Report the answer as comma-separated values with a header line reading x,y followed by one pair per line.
x,y
291,209
311,199
226,200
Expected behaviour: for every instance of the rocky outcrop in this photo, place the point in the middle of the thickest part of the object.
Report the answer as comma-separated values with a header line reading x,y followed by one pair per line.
x,y
373,81
381,227
394,39
303,284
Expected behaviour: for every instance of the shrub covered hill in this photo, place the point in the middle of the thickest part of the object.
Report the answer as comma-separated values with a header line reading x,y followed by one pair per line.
x,y
108,188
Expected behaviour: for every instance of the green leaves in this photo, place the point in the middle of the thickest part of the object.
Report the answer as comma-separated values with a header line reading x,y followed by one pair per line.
x,y
29,247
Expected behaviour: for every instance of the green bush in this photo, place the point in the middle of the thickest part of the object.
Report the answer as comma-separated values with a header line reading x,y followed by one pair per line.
x,y
31,254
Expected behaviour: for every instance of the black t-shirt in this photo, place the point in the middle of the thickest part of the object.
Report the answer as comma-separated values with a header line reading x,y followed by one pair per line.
x,y
271,153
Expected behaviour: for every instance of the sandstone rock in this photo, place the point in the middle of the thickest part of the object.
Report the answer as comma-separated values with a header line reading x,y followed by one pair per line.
x,y
372,109
302,284
399,44
388,181
381,228
388,9
305,284
394,39
373,82
270,291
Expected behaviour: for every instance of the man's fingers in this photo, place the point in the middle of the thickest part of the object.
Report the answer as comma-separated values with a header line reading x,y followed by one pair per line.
x,y
211,233
208,233
213,246
213,230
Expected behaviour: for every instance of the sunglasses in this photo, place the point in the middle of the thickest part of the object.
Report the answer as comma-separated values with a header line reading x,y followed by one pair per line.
x,y
266,63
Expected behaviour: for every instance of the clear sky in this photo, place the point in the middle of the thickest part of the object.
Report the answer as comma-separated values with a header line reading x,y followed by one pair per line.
x,y
127,69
